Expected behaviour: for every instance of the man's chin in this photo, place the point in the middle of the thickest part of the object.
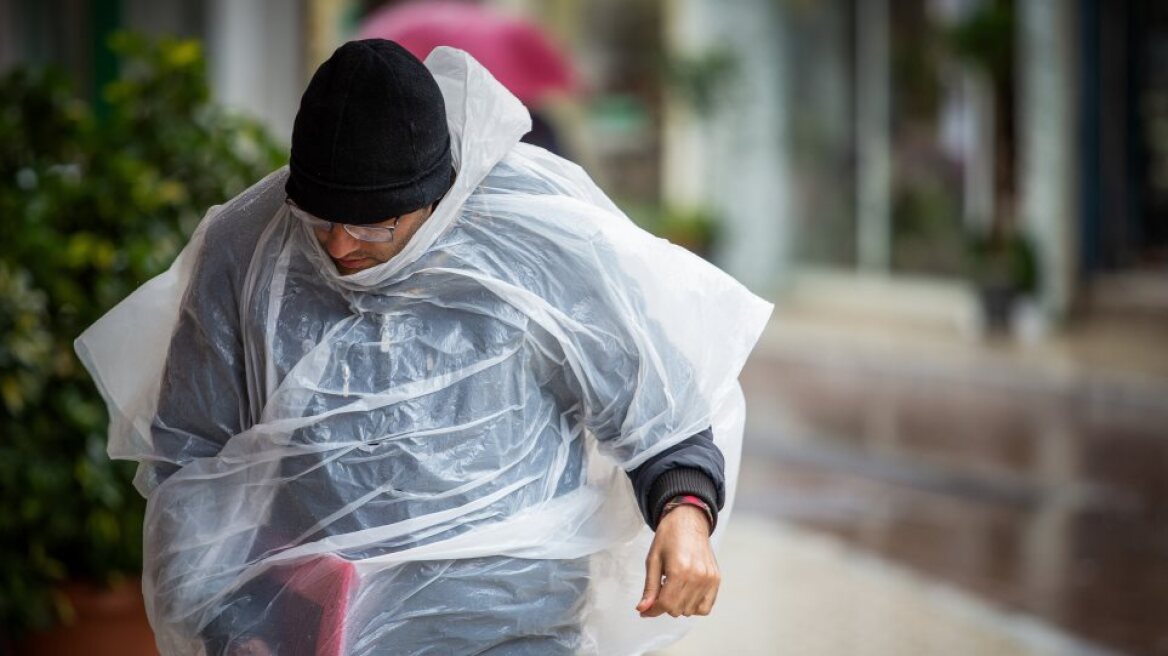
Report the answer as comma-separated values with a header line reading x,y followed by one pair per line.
x,y
353,267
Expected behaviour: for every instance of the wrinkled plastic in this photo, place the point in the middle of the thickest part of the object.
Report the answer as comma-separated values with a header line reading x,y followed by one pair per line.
x,y
431,452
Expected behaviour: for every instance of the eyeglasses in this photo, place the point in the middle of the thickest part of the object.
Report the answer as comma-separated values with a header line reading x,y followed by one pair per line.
x,y
363,233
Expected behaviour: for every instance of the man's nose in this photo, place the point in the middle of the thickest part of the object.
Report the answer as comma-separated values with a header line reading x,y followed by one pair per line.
x,y
339,243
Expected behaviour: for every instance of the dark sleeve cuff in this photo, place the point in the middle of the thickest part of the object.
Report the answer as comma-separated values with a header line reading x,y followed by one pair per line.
x,y
677,482
704,477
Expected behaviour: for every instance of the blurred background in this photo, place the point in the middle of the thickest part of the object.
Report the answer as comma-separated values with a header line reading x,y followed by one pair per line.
x,y
957,440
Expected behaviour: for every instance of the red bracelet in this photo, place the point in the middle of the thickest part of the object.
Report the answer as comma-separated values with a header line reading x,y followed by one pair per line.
x,y
688,500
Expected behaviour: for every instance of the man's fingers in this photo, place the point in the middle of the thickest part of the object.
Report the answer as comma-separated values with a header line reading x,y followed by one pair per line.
x,y
653,611
675,596
707,603
689,589
711,581
251,647
652,584
705,607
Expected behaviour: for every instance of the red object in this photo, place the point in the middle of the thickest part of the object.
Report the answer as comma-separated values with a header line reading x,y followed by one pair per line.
x,y
515,51
322,589
689,500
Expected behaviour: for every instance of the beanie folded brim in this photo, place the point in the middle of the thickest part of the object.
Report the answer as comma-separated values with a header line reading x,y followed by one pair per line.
x,y
364,205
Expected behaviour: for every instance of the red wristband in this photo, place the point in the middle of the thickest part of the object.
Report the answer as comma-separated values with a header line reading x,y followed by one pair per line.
x,y
688,500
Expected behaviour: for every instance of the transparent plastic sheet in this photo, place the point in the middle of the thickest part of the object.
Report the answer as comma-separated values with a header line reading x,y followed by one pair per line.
x,y
430,454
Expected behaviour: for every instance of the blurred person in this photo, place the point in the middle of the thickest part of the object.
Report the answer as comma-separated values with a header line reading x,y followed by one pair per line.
x,y
392,384
516,51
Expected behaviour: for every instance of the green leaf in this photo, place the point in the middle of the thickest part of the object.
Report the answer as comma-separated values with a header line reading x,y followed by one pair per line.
x,y
95,209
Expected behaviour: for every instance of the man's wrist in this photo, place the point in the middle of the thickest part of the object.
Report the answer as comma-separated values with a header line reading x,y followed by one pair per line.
x,y
693,501
677,482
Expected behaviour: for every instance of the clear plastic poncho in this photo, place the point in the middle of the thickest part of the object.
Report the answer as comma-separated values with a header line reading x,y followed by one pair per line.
x,y
427,456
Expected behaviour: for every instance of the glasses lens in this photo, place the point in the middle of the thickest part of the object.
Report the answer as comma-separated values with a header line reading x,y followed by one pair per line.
x,y
363,233
370,233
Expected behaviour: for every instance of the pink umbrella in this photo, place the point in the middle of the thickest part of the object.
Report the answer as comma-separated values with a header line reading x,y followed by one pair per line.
x,y
515,51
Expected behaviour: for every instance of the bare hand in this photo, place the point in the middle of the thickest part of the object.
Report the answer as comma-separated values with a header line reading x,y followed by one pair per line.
x,y
252,647
681,553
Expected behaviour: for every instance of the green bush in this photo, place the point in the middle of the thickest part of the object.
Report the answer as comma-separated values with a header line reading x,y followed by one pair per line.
x,y
91,209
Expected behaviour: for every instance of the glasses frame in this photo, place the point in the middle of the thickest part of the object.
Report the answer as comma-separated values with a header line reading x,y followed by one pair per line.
x,y
374,234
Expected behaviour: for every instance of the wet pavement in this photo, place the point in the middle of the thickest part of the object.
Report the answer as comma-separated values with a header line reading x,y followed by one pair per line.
x,y
1037,483
789,591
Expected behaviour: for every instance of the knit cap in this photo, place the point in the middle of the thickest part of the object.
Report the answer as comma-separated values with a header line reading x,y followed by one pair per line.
x,y
370,140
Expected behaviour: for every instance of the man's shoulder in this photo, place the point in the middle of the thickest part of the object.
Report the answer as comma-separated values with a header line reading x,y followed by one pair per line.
x,y
234,228
531,169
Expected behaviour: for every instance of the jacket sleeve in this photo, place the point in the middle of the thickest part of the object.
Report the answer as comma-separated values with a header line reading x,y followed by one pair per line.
x,y
202,398
634,390
613,363
693,466
637,392
202,403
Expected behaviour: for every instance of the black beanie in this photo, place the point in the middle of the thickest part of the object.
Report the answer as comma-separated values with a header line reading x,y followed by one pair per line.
x,y
370,141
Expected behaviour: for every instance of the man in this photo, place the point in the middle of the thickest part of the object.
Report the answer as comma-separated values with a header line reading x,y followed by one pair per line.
x,y
392,401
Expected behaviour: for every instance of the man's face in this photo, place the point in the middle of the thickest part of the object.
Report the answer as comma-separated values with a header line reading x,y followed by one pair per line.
x,y
352,255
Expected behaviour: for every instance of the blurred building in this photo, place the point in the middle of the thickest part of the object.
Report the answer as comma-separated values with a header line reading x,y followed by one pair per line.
x,y
845,146
858,143
260,53
856,148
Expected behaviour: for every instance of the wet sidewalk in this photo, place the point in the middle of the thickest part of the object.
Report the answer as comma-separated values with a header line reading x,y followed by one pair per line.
x,y
791,591
1032,482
